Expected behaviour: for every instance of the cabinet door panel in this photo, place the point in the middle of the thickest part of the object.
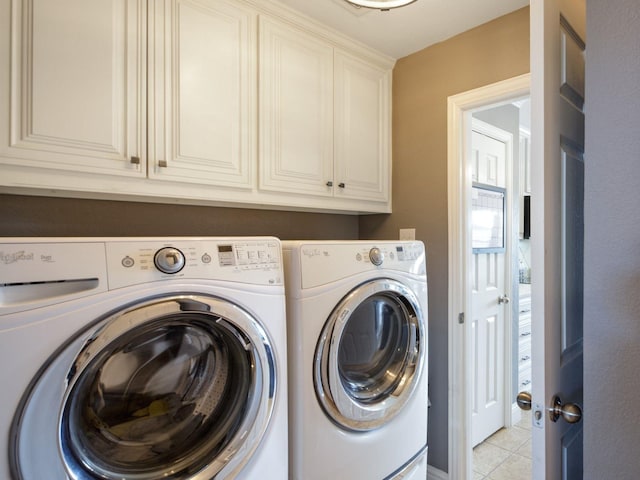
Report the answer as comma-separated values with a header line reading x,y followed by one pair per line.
x,y
362,129
202,119
296,110
76,86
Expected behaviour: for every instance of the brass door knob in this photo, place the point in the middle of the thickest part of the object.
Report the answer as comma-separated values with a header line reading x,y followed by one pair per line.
x,y
569,411
524,400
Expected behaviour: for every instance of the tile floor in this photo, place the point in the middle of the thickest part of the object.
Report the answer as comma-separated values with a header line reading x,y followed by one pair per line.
x,y
505,455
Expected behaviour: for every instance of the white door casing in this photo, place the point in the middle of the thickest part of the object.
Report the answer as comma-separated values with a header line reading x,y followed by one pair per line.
x,y
557,226
460,108
491,161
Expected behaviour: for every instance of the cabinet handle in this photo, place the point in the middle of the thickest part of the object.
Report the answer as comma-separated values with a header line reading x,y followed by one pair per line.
x,y
341,185
525,334
526,357
329,183
162,163
135,160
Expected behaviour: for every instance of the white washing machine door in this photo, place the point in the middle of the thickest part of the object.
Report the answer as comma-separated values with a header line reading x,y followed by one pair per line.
x,y
370,355
176,387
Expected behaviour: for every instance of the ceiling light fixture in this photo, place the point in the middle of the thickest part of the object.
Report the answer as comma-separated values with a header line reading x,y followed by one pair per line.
x,y
383,5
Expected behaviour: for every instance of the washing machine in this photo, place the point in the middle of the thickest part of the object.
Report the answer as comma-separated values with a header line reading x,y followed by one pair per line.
x,y
142,358
357,337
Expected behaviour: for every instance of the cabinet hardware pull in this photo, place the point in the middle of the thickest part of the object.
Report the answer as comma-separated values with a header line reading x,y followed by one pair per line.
x,y
329,183
341,185
162,163
135,160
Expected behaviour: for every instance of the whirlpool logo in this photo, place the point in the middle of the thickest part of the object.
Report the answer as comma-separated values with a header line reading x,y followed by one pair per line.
x,y
15,257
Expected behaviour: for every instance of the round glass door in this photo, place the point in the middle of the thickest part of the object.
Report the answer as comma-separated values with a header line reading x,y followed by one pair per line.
x,y
172,388
370,355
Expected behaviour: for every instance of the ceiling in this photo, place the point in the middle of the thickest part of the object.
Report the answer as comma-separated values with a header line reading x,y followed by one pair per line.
x,y
402,31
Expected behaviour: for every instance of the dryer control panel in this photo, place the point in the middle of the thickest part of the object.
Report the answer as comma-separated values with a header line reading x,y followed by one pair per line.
x,y
242,260
322,263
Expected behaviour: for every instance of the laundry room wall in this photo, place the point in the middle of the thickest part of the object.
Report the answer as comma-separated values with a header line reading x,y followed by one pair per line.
x,y
422,82
48,216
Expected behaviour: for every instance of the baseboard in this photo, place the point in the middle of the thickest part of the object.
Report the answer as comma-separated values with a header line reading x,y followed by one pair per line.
x,y
516,414
435,474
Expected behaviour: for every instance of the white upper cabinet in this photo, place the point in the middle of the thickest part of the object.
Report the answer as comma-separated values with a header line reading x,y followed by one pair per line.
x,y
296,110
324,118
362,129
74,96
214,102
202,87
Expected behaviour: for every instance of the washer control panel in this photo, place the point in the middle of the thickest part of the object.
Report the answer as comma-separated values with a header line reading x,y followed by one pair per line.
x,y
256,261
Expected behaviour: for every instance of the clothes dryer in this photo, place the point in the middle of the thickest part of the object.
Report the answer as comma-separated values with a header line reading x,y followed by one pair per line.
x,y
357,336
142,358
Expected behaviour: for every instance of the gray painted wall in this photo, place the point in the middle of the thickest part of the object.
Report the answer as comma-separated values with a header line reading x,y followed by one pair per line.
x,y
612,241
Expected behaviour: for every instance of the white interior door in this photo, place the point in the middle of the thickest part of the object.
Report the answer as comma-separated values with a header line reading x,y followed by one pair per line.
x,y
489,285
557,238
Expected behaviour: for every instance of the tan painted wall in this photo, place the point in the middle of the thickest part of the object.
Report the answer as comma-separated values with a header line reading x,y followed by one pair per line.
x,y
422,82
42,216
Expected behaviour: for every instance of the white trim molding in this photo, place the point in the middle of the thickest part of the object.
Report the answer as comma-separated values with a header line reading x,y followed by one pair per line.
x,y
460,108
435,474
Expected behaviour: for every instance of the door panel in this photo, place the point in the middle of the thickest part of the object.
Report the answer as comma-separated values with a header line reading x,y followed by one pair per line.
x,y
489,166
557,94
488,160
488,346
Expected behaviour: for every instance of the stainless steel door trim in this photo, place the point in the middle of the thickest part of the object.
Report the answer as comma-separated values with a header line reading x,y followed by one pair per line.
x,y
365,411
204,462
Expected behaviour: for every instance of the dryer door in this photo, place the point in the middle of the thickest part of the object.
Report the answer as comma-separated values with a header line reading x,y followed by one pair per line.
x,y
370,355
178,387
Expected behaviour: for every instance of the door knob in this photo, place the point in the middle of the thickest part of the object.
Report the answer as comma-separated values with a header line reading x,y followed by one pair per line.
x,y
524,400
569,411
503,299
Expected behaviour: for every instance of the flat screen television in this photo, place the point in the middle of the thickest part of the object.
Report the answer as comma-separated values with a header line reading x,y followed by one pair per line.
x,y
527,217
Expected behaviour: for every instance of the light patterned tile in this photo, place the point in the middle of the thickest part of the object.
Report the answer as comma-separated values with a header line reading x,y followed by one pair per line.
x,y
525,450
516,467
478,476
486,457
509,438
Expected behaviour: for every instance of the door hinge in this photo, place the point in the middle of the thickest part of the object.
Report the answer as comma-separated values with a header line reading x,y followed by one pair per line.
x,y
461,318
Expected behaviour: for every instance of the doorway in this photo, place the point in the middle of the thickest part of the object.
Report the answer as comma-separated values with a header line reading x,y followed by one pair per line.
x,y
462,109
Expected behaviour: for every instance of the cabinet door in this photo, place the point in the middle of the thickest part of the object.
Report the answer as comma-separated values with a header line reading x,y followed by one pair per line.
x,y
362,129
296,111
72,86
202,92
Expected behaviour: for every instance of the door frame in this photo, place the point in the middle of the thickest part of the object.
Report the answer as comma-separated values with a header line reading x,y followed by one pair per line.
x,y
459,110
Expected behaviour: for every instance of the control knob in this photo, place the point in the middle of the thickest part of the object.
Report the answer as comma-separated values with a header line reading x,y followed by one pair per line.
x,y
169,260
376,256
